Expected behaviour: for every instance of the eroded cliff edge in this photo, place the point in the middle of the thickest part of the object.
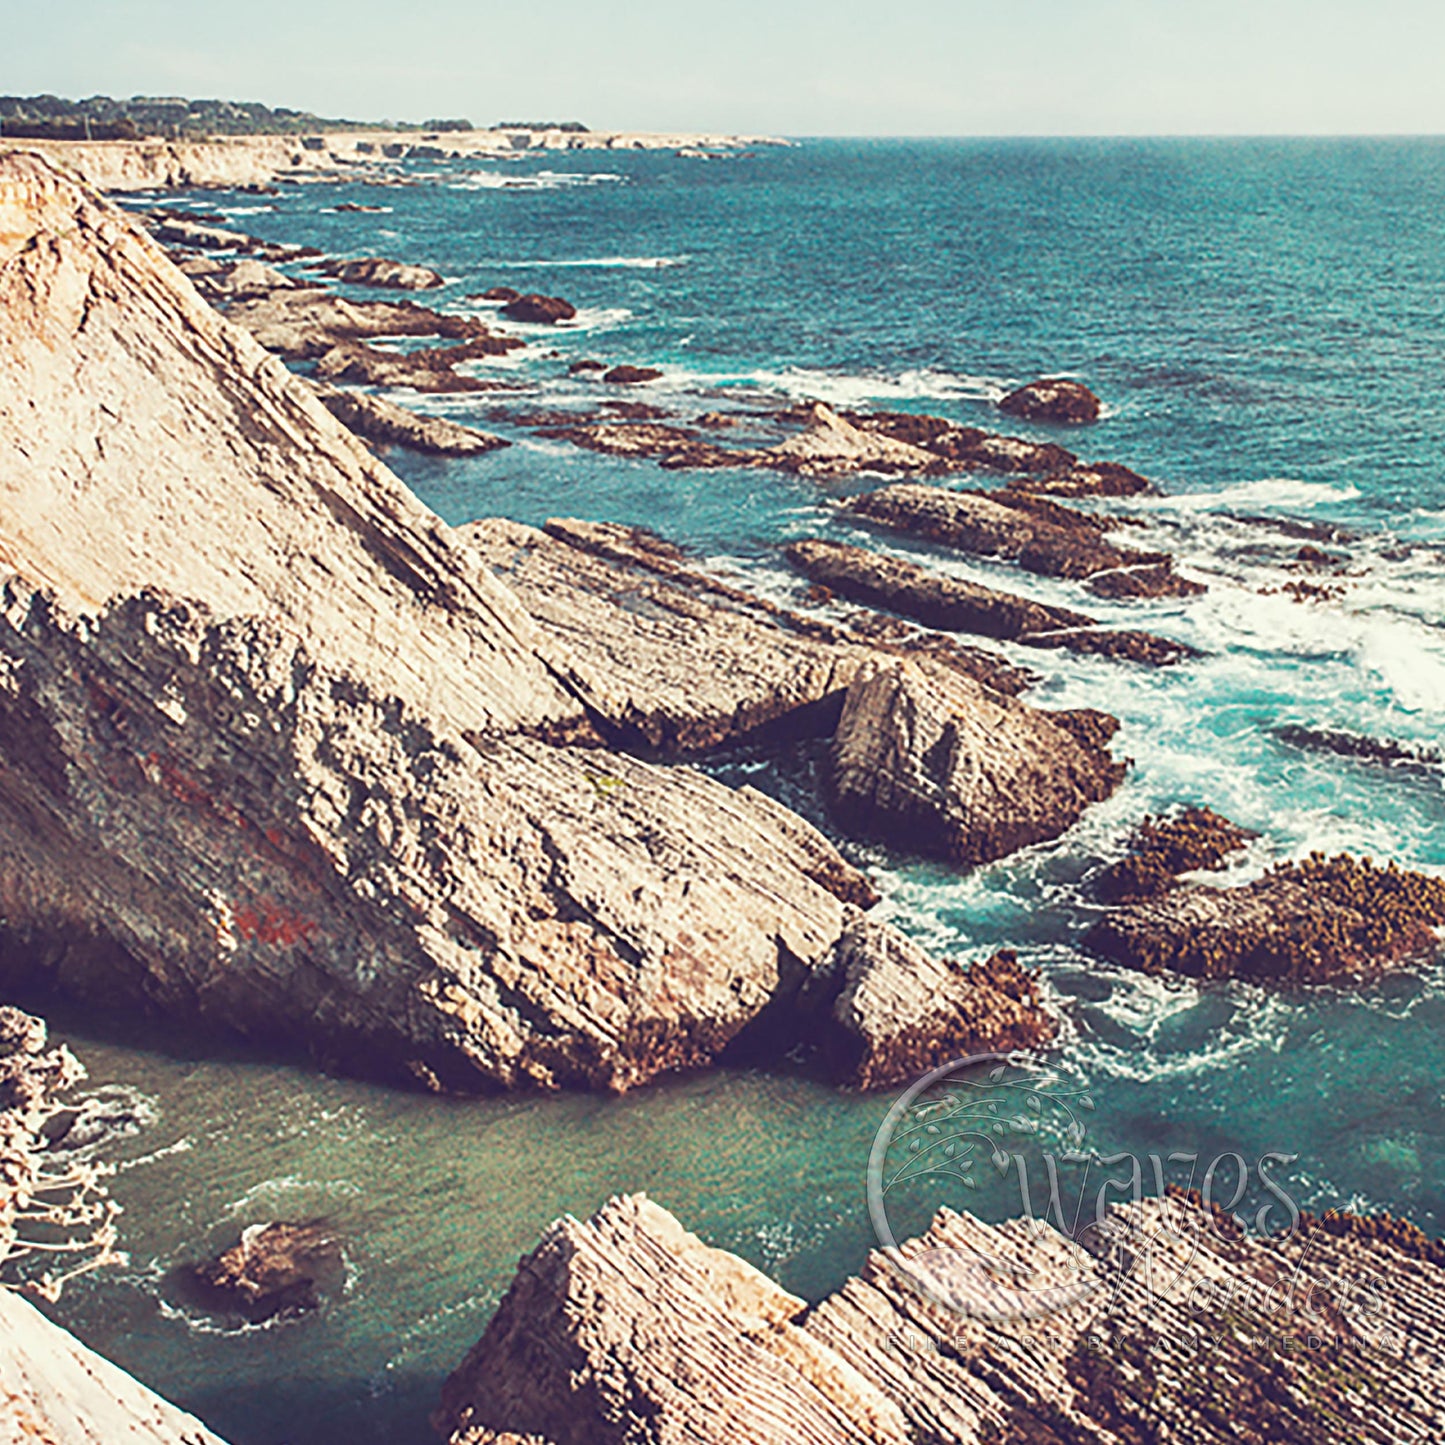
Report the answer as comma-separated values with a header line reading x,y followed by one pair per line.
x,y
282,754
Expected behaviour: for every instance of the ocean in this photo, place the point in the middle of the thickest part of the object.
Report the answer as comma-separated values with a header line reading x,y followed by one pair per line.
x,y
1264,320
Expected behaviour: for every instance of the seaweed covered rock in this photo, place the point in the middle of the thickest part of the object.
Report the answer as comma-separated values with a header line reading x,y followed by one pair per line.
x,y
1316,921
539,310
1053,399
900,1012
929,761
1162,848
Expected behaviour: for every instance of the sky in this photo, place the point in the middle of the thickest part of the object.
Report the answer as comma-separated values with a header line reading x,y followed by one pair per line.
x,y
788,67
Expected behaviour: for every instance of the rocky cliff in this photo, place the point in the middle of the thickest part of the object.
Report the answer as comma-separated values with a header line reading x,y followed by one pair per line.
x,y
1172,1326
281,754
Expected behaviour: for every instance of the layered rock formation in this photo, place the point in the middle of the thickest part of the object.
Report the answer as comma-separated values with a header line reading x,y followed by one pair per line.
x,y
384,273
281,755
383,422
274,1269
1172,1326
934,763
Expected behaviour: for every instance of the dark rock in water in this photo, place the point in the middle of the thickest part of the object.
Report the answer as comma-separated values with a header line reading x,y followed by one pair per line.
x,y
274,1269
1385,751
1125,644
1310,556
1157,579
1163,848
1053,399
1086,479
929,762
899,1012
1318,921
989,1334
539,310
353,208
501,293
634,410
933,598
631,375
380,272
583,367
1059,544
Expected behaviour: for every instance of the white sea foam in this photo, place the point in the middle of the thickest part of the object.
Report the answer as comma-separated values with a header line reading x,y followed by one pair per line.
x,y
540,181
855,388
619,263
1280,492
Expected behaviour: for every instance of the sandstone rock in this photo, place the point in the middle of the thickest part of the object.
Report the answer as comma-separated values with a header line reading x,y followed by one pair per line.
x,y
965,447
1053,399
1059,544
282,757
1157,579
1085,479
379,420
1122,643
982,664
671,446
55,1389
932,763
664,658
627,1318
933,598
429,369
380,272
1313,922
246,280
302,324
1163,848
174,231
274,1269
831,447
900,1013
631,375
539,310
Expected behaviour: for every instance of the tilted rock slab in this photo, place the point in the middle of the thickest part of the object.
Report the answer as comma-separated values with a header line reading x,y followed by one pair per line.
x,y
281,755
1170,1327
376,419
933,763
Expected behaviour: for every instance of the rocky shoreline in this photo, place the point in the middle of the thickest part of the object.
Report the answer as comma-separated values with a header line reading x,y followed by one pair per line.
x,y
287,758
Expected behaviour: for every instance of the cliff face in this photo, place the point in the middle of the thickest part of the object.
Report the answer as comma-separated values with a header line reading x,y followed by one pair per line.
x,y
280,753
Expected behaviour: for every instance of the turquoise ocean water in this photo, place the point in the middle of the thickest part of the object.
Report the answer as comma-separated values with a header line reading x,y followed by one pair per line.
x,y
1265,320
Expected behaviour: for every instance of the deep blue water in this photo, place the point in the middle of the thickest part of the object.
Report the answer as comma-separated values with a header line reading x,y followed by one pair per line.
x,y
1264,320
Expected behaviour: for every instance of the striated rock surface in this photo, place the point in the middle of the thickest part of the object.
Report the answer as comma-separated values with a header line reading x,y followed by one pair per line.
x,y
672,446
939,600
933,598
829,446
380,272
1318,921
1054,542
282,756
384,422
1054,399
54,1389
933,763
663,658
900,1012
1169,1326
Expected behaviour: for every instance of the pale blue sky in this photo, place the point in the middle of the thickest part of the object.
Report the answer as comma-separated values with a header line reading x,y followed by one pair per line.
x,y
931,67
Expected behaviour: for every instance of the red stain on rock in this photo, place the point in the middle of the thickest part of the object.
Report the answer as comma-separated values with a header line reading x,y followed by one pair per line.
x,y
269,922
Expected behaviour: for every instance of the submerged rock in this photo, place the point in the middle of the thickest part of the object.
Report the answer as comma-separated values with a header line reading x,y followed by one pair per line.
x,y
970,1332
274,1269
1317,921
380,272
382,421
932,763
539,310
1055,399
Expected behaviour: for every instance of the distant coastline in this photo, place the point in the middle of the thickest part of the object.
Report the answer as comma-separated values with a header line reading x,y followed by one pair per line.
x,y
259,161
